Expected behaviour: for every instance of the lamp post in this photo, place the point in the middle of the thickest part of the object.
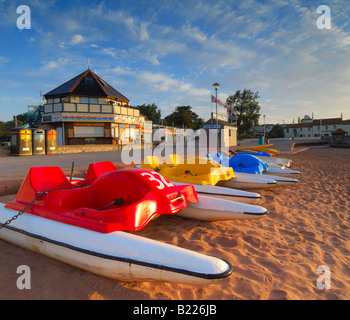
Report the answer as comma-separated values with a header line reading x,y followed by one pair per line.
x,y
264,126
216,86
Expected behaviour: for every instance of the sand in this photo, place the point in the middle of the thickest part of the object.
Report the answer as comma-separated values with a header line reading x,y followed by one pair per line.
x,y
275,257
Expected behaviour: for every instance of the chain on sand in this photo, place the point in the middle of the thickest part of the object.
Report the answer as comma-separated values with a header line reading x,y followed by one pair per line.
x,y
39,194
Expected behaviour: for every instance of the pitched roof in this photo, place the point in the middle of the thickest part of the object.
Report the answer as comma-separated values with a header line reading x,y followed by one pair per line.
x,y
318,122
87,83
339,131
220,122
327,121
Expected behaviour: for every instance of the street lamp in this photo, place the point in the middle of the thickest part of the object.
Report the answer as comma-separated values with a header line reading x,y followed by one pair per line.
x,y
264,126
216,86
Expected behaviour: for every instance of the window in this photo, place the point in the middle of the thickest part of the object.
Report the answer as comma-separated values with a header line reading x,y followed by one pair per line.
x,y
86,132
93,100
84,100
88,100
132,133
122,133
89,79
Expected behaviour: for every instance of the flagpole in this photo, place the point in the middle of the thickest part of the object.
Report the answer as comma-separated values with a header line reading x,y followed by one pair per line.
x,y
216,86
217,127
211,108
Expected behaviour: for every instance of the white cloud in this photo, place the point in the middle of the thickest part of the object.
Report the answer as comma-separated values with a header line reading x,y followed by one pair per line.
x,y
157,81
115,53
143,32
193,33
50,65
76,39
123,71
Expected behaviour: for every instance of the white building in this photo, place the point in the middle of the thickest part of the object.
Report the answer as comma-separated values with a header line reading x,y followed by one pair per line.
x,y
308,127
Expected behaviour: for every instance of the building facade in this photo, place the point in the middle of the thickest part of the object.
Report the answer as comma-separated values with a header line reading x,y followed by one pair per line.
x,y
309,128
87,110
227,131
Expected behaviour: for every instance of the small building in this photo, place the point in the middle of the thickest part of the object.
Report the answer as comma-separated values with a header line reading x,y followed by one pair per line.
x,y
260,130
227,131
338,136
87,110
171,135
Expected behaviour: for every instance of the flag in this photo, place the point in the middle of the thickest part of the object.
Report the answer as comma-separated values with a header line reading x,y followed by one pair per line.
x,y
228,110
213,99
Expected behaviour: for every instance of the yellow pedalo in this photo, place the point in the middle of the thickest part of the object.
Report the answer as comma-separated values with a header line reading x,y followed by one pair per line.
x,y
203,171
214,202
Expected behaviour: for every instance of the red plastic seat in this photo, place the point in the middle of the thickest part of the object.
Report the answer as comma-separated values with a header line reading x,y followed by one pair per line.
x,y
97,169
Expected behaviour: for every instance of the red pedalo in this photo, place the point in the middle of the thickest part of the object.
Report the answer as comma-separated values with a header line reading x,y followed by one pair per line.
x,y
107,200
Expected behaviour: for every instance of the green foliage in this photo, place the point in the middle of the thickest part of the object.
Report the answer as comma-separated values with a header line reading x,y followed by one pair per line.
x,y
183,116
151,111
276,132
5,127
247,107
23,118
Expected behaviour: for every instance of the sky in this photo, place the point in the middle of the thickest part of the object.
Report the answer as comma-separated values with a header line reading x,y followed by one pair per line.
x,y
170,53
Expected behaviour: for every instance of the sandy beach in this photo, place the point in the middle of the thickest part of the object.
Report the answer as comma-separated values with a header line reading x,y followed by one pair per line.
x,y
275,257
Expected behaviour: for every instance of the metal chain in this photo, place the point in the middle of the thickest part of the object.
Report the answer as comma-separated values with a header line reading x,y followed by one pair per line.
x,y
39,194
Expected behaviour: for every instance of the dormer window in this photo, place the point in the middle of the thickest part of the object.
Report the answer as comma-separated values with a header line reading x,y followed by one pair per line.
x,y
89,79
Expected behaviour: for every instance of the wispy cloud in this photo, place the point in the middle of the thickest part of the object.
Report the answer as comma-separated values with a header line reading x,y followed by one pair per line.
x,y
172,51
77,39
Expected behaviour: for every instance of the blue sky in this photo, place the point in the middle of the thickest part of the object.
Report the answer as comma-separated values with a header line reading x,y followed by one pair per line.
x,y
171,52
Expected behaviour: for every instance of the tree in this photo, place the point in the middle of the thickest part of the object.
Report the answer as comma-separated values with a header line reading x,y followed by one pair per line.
x,y
183,116
151,111
277,131
23,117
5,127
247,107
